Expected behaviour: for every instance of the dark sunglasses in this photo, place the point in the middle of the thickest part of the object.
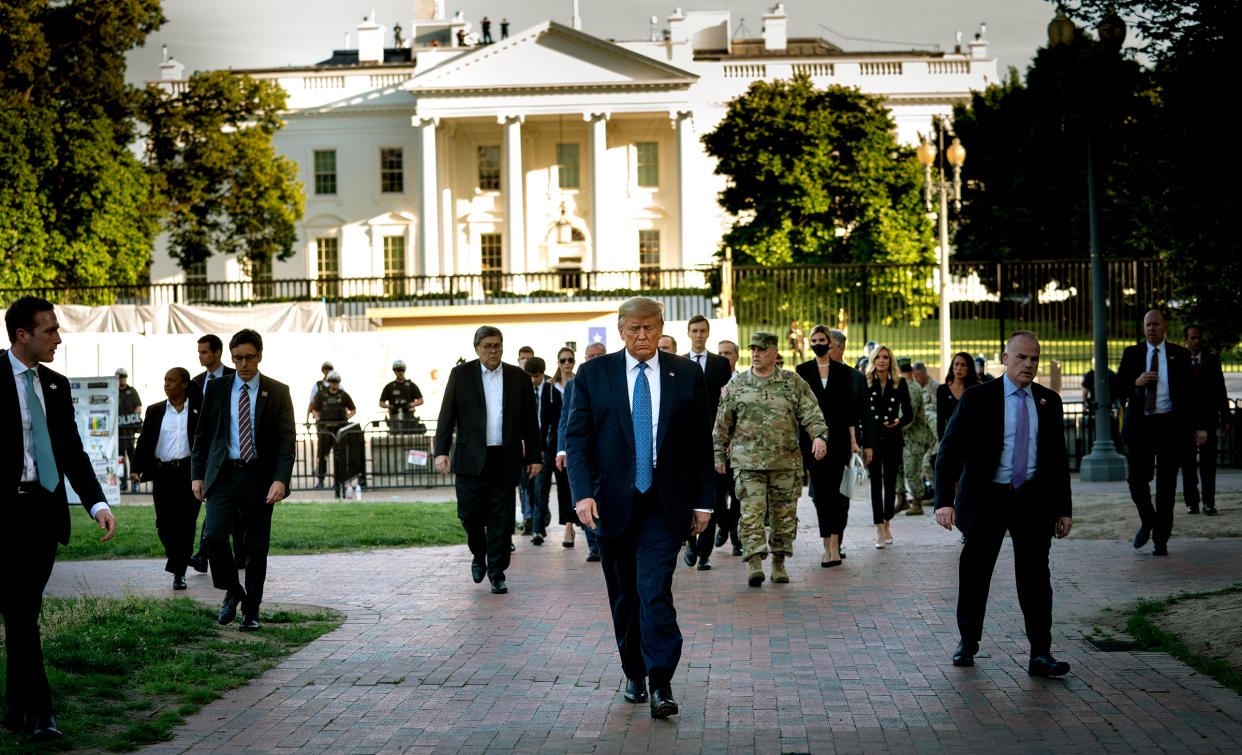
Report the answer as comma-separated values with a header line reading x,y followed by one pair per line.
x,y
566,360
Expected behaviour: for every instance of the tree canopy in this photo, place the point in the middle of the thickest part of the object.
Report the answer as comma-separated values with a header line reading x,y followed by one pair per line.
x,y
816,176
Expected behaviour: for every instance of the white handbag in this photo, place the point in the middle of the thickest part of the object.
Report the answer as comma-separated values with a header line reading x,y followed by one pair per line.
x,y
856,482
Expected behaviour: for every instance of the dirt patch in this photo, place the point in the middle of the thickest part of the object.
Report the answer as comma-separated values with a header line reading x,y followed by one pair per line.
x,y
1210,626
1112,517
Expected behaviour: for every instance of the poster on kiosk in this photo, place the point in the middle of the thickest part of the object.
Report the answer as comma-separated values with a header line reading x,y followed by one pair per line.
x,y
95,409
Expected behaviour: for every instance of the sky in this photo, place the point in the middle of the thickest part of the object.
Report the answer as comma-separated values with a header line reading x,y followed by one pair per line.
x,y
267,33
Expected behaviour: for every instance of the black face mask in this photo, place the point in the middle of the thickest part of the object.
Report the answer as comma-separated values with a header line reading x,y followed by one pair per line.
x,y
820,349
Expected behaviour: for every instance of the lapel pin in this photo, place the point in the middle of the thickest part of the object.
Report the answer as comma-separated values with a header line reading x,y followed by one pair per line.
x,y
1043,401
52,386
262,393
670,374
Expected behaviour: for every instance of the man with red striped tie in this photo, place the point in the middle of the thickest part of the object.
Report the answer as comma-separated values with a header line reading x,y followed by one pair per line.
x,y
243,459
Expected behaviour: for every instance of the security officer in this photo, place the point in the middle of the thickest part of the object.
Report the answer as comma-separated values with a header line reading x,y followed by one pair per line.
x,y
129,420
757,432
332,408
920,437
400,397
320,385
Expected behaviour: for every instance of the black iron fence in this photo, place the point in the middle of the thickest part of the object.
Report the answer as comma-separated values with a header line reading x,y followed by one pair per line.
x,y
1080,434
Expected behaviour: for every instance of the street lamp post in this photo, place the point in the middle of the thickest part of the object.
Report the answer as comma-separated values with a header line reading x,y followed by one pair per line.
x,y
956,156
1102,463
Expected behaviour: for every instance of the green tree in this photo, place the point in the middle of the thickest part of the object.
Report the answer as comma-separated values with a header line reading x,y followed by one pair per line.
x,y
816,175
226,190
76,205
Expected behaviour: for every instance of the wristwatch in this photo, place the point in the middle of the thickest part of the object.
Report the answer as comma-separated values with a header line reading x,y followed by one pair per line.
x,y
822,437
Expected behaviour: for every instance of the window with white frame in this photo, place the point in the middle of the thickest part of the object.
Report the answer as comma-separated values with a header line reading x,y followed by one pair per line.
x,y
325,171
489,167
648,163
392,170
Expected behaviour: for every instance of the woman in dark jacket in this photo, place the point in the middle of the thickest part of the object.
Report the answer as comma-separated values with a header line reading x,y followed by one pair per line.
x,y
961,376
891,410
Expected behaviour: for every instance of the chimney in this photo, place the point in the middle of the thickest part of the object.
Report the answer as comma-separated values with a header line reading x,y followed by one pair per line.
x,y
171,70
370,41
677,27
576,19
775,28
979,45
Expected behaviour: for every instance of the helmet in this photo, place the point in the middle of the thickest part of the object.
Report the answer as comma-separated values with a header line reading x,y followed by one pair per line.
x,y
122,372
334,377
325,366
398,365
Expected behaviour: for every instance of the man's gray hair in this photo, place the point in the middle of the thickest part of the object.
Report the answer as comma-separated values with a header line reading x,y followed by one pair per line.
x,y
917,366
836,336
486,331
1019,334
640,306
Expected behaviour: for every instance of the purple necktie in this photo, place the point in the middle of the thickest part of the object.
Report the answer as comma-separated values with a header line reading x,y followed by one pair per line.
x,y
1021,441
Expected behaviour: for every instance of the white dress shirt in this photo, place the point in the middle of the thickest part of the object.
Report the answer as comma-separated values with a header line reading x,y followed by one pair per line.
x,y
1164,404
173,442
652,371
494,393
699,358
1004,470
29,473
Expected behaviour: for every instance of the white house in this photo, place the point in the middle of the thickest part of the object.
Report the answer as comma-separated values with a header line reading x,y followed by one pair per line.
x,y
552,150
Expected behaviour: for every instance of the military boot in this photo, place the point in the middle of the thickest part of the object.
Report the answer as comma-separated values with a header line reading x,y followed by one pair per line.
x,y
915,509
903,502
755,578
779,575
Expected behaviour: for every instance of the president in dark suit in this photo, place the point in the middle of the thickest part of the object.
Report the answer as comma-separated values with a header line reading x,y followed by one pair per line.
x,y
640,468
41,448
241,464
163,459
491,407
210,351
1200,466
1163,424
716,374
1002,466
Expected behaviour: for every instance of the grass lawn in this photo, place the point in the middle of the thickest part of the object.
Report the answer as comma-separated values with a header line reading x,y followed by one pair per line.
x,y
296,528
125,670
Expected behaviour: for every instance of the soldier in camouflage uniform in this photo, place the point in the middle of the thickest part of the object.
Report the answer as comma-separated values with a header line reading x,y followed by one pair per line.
x,y
757,432
920,438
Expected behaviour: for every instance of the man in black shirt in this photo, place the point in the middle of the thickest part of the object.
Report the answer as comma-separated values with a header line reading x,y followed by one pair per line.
x,y
332,408
400,398
129,419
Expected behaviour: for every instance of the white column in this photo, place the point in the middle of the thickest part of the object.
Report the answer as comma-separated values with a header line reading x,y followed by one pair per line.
x,y
685,148
597,149
512,180
428,242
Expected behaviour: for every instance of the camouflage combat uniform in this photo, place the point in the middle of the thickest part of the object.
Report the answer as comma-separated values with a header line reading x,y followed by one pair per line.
x,y
920,437
760,417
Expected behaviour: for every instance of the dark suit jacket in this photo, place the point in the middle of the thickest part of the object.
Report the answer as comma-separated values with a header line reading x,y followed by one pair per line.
x,y
1187,407
862,409
143,461
273,431
464,409
71,460
1210,387
550,405
198,381
715,376
971,448
600,441
838,405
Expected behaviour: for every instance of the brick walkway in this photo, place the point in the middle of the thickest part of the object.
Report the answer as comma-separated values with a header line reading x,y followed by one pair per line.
x,y
849,659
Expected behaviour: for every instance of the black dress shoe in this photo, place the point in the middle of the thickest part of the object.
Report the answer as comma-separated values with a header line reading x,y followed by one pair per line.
x,y
1141,537
1046,665
1192,509
179,582
965,654
690,556
43,728
1209,510
228,609
828,564
737,550
592,555
537,540
662,703
1160,550
249,624
721,537
704,564
477,572
198,564
499,587
635,691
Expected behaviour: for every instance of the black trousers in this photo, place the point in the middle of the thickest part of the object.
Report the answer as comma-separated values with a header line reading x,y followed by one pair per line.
x,y
885,464
638,570
27,561
239,491
485,508
1156,445
720,515
176,513
1018,512
1200,469
830,505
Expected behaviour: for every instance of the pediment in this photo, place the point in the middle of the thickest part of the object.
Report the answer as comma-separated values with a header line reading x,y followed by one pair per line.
x,y
549,56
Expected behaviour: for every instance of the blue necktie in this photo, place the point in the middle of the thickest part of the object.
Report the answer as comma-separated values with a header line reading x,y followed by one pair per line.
x,y
45,460
642,430
1021,441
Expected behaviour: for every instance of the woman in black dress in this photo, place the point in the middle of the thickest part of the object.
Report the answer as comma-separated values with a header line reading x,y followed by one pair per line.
x,y
891,410
961,376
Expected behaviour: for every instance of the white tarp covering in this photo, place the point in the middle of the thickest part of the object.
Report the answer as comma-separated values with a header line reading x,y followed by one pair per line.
x,y
288,317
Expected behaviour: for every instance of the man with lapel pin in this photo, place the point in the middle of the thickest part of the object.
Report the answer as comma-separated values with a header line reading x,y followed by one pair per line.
x,y
716,373
639,450
163,459
41,448
1163,424
242,462
1002,467
210,350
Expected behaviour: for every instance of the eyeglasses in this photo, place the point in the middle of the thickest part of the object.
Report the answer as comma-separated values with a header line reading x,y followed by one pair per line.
x,y
566,360
400,370
244,358
491,346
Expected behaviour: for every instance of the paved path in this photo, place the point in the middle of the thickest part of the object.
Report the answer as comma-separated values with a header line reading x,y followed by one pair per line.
x,y
848,659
